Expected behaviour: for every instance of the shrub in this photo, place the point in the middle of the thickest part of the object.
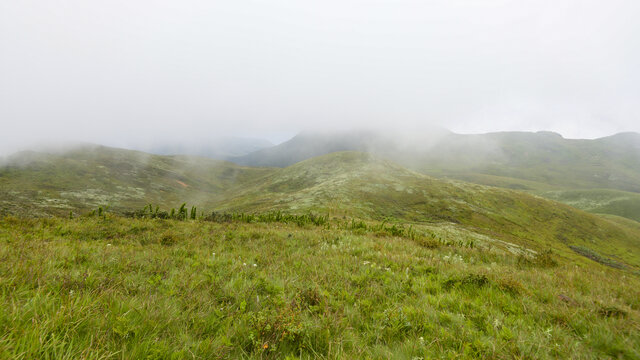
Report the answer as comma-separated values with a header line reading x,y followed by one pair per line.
x,y
611,311
469,280
168,239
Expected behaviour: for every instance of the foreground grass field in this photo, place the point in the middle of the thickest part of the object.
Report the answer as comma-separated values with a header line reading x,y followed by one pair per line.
x,y
119,288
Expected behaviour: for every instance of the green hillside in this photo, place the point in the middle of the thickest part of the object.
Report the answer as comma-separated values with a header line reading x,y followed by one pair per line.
x,y
390,263
360,185
83,178
600,201
612,162
344,184
543,163
546,158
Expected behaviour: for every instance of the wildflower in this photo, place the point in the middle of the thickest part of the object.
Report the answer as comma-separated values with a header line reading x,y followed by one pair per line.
x,y
366,262
265,346
108,244
244,264
255,265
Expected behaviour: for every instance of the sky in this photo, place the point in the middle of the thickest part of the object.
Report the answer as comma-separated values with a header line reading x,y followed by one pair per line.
x,y
124,72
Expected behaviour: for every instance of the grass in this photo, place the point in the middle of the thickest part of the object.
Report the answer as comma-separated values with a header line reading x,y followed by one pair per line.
x,y
358,185
600,201
339,256
518,160
84,178
118,288
350,184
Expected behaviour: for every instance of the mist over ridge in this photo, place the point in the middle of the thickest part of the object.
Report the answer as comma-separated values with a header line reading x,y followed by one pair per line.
x,y
124,74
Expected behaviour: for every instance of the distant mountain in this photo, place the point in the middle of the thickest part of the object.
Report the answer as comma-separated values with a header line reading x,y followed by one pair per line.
x,y
308,144
216,148
543,163
544,159
391,144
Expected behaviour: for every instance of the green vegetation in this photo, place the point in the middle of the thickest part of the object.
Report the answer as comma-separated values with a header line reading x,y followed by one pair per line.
x,y
343,255
540,161
276,286
600,201
605,171
358,185
350,184
82,179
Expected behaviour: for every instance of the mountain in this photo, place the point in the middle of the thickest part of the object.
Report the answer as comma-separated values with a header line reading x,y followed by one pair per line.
x,y
311,144
217,148
543,163
543,158
88,176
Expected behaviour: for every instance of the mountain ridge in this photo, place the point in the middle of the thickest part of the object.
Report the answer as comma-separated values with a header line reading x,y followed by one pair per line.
x,y
354,185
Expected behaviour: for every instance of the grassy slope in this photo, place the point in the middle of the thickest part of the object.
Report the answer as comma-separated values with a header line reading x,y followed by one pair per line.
x,y
84,178
543,157
537,162
352,184
600,201
361,186
596,201
117,288
548,164
611,162
464,286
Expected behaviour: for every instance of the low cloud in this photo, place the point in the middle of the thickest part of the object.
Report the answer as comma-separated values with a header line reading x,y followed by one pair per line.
x,y
124,73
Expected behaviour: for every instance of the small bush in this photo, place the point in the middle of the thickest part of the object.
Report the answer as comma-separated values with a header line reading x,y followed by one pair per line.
x,y
611,311
510,285
308,298
427,243
168,239
543,259
470,280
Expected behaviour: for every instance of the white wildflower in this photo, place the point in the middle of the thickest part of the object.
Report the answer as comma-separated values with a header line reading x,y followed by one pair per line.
x,y
497,323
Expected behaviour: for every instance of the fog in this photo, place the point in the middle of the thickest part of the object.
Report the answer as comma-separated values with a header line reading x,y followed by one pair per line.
x,y
129,73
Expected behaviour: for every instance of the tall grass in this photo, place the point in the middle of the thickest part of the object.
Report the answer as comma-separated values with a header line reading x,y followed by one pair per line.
x,y
277,286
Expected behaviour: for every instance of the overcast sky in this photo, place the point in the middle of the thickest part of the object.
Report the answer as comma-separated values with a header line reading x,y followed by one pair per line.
x,y
123,72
